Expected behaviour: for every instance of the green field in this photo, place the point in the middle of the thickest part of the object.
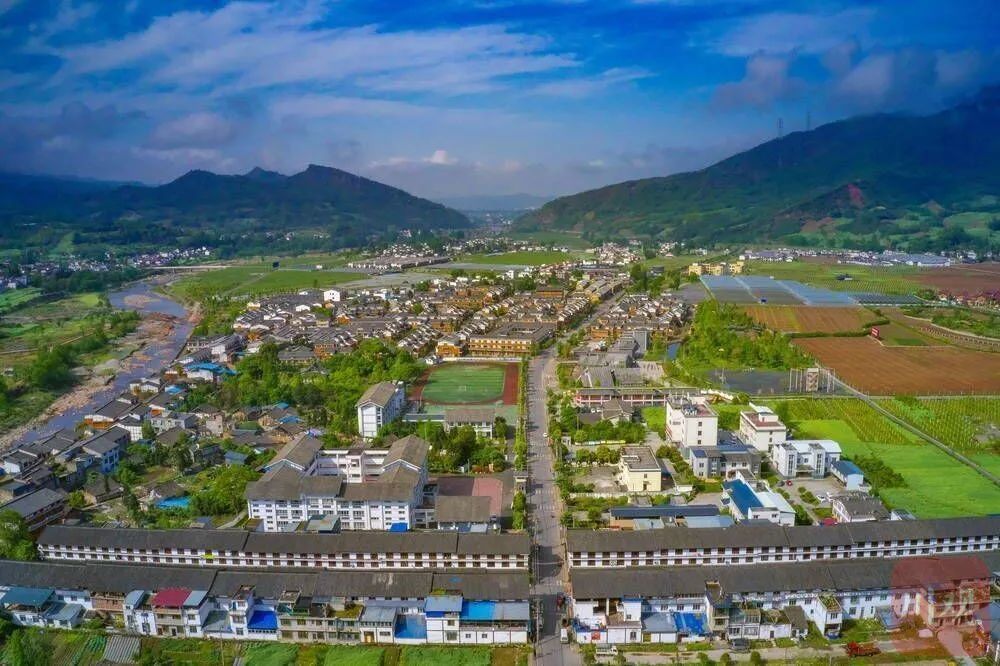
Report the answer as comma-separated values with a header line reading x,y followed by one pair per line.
x,y
970,425
445,656
880,280
256,280
464,383
524,258
937,485
13,298
556,238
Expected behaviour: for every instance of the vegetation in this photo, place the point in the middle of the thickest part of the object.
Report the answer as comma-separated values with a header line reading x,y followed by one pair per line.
x,y
834,186
960,319
520,511
724,336
968,424
524,257
458,383
224,492
15,540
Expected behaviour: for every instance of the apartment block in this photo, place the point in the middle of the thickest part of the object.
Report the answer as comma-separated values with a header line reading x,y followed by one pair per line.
x,y
691,422
379,405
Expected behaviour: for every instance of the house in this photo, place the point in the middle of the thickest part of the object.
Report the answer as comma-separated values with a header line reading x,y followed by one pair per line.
x,y
379,405
857,507
101,489
723,460
108,447
761,428
463,513
814,457
754,500
40,607
639,470
691,422
848,473
38,508
106,415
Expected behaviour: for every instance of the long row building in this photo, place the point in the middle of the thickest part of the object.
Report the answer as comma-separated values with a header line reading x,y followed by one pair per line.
x,y
384,607
290,550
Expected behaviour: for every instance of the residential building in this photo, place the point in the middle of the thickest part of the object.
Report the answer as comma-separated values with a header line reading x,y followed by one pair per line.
x,y
639,470
761,428
724,460
38,508
107,447
510,339
857,507
381,404
691,422
848,473
748,499
813,457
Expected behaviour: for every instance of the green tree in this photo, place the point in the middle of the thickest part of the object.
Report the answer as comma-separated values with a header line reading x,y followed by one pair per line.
x,y
28,647
76,500
15,539
148,431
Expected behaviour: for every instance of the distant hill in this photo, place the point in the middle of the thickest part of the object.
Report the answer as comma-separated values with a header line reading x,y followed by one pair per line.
x,y
882,179
495,202
200,206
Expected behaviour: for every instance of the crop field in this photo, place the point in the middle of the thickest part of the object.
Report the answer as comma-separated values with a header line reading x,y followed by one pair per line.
x,y
879,280
936,485
258,280
808,319
559,238
969,424
468,384
525,258
898,335
13,298
962,279
424,655
871,367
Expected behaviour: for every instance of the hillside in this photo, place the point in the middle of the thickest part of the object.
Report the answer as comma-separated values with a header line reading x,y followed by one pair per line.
x,y
883,179
320,203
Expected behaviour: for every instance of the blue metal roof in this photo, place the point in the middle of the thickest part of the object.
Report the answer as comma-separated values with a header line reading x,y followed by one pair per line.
x,y
690,623
263,620
664,511
399,527
846,467
26,596
450,603
743,496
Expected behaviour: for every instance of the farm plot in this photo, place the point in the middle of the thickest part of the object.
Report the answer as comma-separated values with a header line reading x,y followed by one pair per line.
x,y
871,367
934,485
963,279
467,384
806,319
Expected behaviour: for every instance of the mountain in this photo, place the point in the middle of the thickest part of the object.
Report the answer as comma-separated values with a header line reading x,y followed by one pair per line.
x,y
495,202
887,178
204,207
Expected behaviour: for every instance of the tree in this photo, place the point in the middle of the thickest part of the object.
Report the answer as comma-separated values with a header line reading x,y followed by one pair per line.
x,y
15,539
148,431
76,500
131,504
28,647
224,494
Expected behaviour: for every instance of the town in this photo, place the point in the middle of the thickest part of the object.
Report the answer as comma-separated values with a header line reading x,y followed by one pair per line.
x,y
596,453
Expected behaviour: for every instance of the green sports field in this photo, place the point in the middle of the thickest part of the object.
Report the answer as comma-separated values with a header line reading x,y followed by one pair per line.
x,y
464,383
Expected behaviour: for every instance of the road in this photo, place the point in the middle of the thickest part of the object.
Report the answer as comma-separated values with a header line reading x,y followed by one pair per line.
x,y
550,571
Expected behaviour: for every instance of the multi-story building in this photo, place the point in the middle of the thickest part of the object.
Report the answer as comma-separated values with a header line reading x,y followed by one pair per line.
x,y
724,460
761,428
381,404
367,551
691,422
480,419
762,544
107,447
639,470
680,604
38,508
748,499
510,339
365,488
814,457
407,607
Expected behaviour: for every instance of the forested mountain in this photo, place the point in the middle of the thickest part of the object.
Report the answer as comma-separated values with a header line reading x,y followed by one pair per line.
x,y
321,203
885,179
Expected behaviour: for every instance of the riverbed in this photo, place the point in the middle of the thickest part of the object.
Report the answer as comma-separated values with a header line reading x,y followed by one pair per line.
x,y
156,353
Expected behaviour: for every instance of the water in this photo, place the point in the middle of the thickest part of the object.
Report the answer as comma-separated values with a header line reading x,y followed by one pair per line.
x,y
672,350
149,361
174,503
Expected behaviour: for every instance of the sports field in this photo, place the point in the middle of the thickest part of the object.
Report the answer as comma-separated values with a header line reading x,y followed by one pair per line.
x,y
809,319
468,384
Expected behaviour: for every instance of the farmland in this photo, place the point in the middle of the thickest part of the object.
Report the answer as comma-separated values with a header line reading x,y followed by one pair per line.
x,y
871,367
962,279
256,279
875,279
936,485
523,258
13,298
806,319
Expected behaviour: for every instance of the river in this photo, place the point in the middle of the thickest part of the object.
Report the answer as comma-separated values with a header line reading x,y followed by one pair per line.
x,y
155,355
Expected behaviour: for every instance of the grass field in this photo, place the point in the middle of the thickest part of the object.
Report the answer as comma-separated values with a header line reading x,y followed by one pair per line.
x,y
464,383
808,319
257,280
897,335
969,424
13,298
937,485
558,238
880,280
525,258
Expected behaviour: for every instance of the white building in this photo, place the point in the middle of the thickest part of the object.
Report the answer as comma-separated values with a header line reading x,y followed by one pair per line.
x,y
379,405
333,295
692,423
366,489
754,500
814,457
761,428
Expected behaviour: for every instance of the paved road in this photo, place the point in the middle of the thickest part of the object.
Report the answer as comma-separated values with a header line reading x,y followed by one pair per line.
x,y
550,572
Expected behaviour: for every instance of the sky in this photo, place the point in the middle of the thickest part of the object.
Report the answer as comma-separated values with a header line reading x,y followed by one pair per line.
x,y
461,97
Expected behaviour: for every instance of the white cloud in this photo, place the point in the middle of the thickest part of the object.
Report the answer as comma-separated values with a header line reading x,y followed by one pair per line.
x,y
787,32
586,86
193,130
765,82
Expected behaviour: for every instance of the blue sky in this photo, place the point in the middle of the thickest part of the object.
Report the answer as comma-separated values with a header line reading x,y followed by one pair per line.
x,y
457,97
